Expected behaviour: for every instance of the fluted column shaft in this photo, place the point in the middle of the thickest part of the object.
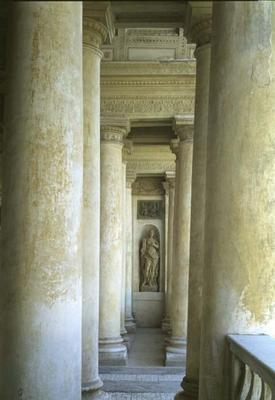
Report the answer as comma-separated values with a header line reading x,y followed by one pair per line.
x,y
129,320
190,383
42,204
94,33
111,347
240,195
175,351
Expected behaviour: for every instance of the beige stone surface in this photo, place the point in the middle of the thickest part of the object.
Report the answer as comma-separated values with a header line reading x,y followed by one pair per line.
x,y
42,201
239,275
94,34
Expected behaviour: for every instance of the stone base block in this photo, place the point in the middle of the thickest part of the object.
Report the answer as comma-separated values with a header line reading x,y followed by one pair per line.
x,y
126,341
190,390
130,325
112,351
175,352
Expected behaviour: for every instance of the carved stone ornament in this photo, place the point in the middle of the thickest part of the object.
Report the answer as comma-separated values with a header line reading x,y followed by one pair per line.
x,y
147,187
146,166
149,209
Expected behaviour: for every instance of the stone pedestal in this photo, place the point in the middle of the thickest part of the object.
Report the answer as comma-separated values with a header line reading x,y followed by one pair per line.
x,y
176,348
239,276
201,35
42,204
111,347
93,35
129,320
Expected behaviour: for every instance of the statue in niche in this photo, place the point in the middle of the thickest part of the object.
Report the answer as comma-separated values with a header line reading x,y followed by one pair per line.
x,y
149,263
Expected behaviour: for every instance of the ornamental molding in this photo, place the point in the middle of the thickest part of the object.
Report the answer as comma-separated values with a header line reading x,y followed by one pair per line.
x,y
116,68
183,81
149,166
165,105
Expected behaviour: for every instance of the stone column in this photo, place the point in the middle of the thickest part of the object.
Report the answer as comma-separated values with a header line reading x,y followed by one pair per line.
x,y
129,320
94,33
176,349
170,181
123,330
240,195
111,347
42,204
166,207
201,33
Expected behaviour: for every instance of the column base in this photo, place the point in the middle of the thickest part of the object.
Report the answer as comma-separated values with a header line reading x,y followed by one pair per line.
x,y
92,386
175,352
165,326
126,340
112,351
130,325
95,395
190,390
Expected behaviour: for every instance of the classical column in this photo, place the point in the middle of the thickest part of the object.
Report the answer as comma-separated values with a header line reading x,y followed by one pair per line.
x,y
94,33
129,320
123,330
170,188
111,347
239,269
176,349
201,33
42,204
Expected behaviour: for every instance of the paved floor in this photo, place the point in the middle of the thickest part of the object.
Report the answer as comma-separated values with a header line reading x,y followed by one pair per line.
x,y
145,377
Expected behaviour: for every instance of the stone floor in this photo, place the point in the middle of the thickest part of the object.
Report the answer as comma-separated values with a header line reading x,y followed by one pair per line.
x,y
145,377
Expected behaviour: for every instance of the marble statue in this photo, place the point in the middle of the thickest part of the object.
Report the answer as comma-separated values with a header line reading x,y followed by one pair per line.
x,y
149,256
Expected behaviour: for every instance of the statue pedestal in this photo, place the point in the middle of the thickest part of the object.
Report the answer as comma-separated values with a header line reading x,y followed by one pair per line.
x,y
146,288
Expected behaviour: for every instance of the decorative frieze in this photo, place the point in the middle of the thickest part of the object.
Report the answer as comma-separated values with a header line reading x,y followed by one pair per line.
x,y
146,166
166,106
147,187
130,68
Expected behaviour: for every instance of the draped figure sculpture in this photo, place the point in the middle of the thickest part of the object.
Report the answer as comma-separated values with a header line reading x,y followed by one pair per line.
x,y
149,257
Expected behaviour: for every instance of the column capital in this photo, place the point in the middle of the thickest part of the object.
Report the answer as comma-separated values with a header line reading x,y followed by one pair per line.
x,y
127,148
170,178
198,22
166,187
130,178
174,146
184,127
201,31
114,129
94,34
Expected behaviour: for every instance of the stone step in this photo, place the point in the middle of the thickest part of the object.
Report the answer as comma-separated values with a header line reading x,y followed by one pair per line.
x,y
141,396
142,370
